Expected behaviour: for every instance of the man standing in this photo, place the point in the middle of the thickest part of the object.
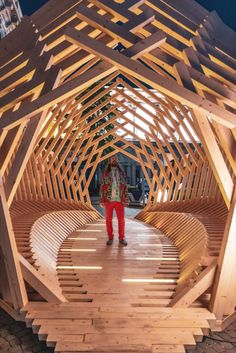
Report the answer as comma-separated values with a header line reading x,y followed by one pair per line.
x,y
114,195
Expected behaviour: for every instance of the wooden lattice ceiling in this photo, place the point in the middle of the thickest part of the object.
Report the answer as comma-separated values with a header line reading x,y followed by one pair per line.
x,y
177,49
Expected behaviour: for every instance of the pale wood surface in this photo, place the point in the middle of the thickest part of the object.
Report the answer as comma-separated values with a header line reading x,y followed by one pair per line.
x,y
103,313
172,58
196,229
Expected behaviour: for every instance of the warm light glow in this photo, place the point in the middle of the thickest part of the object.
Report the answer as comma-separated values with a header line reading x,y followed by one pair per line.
x,y
151,235
143,230
88,230
80,267
157,258
96,224
82,238
79,250
150,280
159,245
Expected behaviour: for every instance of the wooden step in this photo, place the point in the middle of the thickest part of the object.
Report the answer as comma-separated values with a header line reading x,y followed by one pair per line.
x,y
170,348
102,348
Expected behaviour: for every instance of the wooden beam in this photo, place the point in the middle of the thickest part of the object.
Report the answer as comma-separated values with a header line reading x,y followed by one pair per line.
x,y
228,321
68,89
27,142
223,299
9,145
11,259
195,288
227,142
215,157
4,283
155,80
22,155
12,312
46,288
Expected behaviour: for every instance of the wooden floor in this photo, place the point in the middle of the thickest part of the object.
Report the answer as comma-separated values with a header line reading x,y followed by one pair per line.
x,y
118,296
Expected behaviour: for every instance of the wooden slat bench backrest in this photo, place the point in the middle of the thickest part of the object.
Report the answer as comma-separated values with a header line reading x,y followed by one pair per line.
x,y
196,229
40,227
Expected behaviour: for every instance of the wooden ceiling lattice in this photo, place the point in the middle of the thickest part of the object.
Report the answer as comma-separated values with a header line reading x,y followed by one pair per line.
x,y
97,121
177,54
81,80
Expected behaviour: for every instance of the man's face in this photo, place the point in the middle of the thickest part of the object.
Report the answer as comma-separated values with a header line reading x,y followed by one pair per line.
x,y
113,162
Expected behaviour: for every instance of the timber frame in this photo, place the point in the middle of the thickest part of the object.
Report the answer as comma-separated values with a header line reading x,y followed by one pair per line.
x,y
72,74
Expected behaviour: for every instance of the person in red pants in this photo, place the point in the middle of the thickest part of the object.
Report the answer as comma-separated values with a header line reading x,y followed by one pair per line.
x,y
114,195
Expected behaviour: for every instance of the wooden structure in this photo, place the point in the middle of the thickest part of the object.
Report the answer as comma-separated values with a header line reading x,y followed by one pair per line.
x,y
72,76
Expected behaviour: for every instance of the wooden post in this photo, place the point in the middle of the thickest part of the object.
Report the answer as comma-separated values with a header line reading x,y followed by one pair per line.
x,y
215,157
10,254
223,299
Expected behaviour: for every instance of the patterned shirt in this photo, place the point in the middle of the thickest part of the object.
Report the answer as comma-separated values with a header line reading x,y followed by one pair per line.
x,y
115,186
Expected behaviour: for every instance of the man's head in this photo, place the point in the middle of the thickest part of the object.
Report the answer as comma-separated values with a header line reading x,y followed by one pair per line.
x,y
113,161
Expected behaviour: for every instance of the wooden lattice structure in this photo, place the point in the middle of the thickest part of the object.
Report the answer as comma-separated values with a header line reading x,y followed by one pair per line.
x,y
73,76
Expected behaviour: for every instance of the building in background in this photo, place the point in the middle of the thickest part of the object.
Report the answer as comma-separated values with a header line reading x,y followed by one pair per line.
x,y
10,16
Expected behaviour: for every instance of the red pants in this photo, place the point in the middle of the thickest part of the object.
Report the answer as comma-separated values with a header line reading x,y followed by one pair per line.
x,y
119,207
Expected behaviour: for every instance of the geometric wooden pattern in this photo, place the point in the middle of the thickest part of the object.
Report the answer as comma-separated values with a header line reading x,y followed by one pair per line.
x,y
74,74
82,136
167,46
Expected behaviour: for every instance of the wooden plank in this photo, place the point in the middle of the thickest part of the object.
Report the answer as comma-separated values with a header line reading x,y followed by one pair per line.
x,y
223,295
22,156
13,313
215,157
184,298
40,283
68,89
9,145
8,244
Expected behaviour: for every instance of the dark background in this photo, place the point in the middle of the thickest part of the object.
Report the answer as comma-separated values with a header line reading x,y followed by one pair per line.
x,y
226,9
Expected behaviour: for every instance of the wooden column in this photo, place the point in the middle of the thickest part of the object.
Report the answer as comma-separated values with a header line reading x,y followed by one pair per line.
x,y
223,299
10,254
215,156
22,156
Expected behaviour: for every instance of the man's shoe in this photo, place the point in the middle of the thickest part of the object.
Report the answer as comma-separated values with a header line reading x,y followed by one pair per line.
x,y
123,242
109,242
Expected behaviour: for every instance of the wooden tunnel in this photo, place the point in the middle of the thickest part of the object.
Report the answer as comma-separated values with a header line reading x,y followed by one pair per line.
x,y
83,80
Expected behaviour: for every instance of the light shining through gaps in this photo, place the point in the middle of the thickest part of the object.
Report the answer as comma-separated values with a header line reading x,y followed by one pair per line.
x,y
82,238
79,250
88,230
157,258
151,235
150,280
80,267
158,245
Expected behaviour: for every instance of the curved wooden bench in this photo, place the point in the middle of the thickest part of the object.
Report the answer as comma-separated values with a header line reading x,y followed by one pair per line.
x,y
40,228
196,229
49,231
25,213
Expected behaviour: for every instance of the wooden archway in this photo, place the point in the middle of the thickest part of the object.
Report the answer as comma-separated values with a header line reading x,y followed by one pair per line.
x,y
172,61
102,117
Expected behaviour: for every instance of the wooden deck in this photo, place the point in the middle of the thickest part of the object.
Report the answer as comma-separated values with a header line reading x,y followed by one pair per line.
x,y
117,296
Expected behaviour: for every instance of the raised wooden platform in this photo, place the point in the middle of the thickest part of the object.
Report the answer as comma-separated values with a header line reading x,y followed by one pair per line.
x,y
117,297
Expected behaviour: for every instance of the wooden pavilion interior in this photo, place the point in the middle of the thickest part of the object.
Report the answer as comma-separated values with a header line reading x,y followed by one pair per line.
x,y
71,77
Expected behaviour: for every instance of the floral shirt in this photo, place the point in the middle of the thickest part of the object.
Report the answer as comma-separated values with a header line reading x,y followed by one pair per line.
x,y
106,188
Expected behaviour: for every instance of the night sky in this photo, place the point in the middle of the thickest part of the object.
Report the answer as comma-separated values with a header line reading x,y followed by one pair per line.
x,y
226,9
